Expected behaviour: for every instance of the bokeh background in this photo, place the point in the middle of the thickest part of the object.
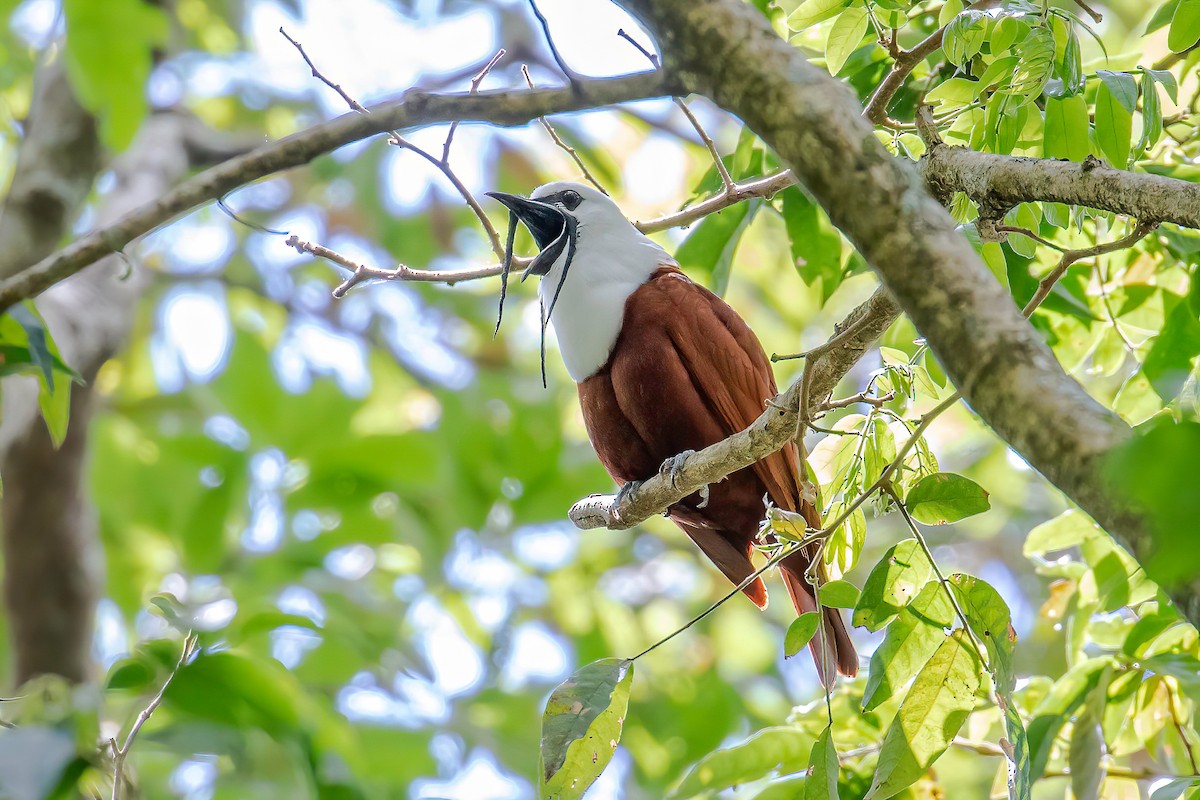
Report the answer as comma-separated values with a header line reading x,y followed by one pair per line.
x,y
363,500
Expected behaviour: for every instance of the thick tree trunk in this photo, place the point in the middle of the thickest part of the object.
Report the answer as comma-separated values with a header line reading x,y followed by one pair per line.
x,y
52,560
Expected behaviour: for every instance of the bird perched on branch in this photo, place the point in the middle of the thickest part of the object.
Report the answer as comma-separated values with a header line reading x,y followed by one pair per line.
x,y
665,367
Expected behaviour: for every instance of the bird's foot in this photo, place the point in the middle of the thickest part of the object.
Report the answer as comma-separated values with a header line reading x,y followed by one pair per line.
x,y
672,468
623,493
703,497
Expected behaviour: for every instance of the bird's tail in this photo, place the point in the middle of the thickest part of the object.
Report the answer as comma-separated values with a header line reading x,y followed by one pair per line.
x,y
831,647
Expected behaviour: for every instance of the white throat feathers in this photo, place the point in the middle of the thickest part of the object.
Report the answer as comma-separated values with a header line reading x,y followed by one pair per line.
x,y
612,259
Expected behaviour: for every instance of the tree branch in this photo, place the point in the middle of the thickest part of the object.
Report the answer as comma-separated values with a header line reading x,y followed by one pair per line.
x,y
906,62
414,109
997,183
771,431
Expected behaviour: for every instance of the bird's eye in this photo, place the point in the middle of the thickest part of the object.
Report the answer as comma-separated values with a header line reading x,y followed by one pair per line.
x,y
571,199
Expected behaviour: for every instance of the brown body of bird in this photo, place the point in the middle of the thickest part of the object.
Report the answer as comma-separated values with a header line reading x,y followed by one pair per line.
x,y
665,366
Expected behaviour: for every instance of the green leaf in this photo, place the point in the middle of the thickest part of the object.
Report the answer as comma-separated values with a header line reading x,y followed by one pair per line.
x,y
1171,357
39,349
130,673
1156,472
800,632
253,693
1185,26
1114,126
945,497
1066,131
822,783
894,581
838,594
56,410
940,700
1152,118
1068,529
1122,86
1173,789
1166,79
810,12
911,638
709,248
1056,708
964,37
582,726
781,749
816,244
1085,755
1020,779
108,52
844,37
990,620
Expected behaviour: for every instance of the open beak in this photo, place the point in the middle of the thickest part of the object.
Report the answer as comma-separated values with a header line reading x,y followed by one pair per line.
x,y
547,223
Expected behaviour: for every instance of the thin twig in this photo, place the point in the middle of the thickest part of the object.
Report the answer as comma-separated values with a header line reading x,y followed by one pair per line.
x,y
726,181
759,187
122,752
1071,256
558,59
365,272
765,187
906,61
650,56
570,151
1030,234
1091,12
861,397
475,83
890,491
442,163
350,101
784,552
492,235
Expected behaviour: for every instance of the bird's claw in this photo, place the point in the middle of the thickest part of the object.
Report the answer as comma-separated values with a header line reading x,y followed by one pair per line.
x,y
672,467
624,492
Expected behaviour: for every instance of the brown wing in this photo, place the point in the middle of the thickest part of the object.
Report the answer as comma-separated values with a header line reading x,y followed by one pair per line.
x,y
733,374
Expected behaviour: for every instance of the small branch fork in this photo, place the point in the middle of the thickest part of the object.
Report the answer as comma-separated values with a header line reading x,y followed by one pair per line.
x,y
1069,257
905,61
728,184
570,151
731,193
442,163
121,752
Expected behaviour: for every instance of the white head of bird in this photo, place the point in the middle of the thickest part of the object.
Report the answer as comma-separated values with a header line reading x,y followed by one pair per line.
x,y
592,258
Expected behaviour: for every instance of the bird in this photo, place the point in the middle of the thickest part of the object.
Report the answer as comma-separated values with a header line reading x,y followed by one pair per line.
x,y
664,367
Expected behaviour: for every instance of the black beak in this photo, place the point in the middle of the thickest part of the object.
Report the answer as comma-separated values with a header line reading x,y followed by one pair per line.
x,y
547,223
555,232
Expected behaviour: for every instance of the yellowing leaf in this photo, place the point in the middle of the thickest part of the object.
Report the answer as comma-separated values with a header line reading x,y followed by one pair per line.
x,y
939,702
581,727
